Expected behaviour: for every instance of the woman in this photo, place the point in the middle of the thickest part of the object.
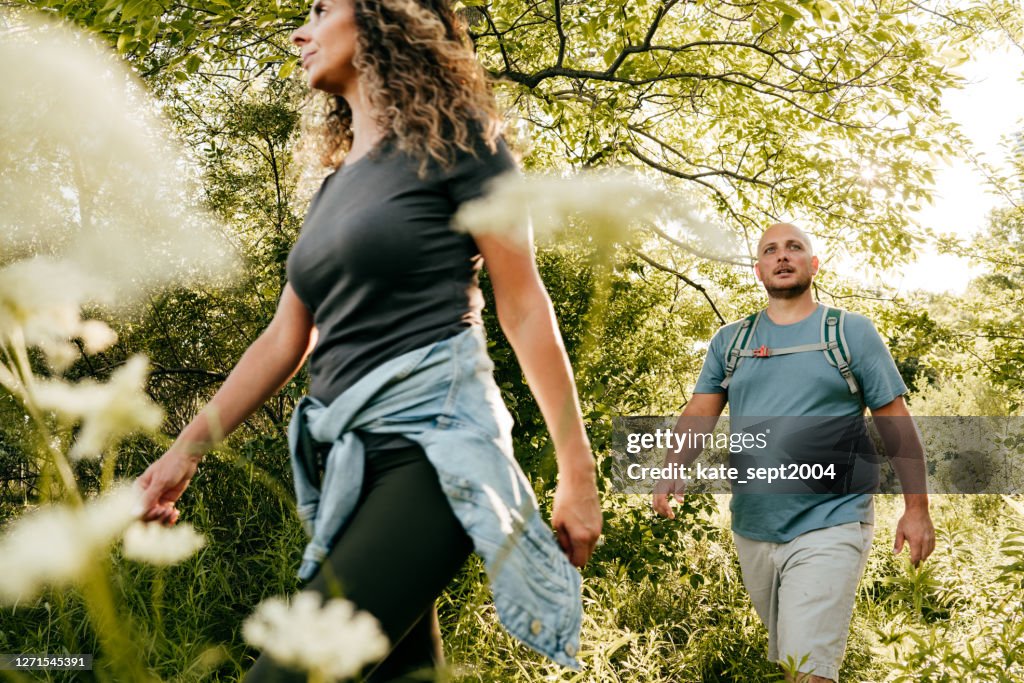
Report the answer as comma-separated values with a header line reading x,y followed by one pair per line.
x,y
402,451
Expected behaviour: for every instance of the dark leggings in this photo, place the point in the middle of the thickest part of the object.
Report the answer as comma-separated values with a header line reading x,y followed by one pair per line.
x,y
401,548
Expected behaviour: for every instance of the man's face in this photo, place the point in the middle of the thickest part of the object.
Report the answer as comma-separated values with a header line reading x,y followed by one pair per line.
x,y
785,264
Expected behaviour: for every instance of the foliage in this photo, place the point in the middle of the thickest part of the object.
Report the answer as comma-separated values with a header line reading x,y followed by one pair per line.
x,y
827,112
978,634
742,103
990,317
739,103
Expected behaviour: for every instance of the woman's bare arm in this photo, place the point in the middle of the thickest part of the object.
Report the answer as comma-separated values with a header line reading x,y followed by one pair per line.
x,y
265,367
528,320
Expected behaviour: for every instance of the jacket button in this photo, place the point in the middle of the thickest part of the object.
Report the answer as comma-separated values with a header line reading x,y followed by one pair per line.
x,y
570,650
536,627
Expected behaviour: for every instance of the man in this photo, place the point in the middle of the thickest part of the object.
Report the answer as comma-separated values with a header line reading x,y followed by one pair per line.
x,y
802,554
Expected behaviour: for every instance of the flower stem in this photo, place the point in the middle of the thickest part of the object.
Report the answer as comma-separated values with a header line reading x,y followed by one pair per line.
x,y
111,626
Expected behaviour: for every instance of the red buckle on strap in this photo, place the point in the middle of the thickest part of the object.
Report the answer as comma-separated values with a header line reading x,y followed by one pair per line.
x,y
762,352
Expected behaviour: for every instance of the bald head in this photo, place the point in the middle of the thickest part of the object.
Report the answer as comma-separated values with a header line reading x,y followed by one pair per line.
x,y
780,233
786,263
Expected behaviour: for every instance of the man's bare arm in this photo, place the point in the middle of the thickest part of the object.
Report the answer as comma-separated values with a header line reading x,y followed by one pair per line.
x,y
905,452
699,417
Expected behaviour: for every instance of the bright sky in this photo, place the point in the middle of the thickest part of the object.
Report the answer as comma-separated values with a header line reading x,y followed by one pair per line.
x,y
988,108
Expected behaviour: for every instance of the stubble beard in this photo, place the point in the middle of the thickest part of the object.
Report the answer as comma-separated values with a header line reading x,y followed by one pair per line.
x,y
792,291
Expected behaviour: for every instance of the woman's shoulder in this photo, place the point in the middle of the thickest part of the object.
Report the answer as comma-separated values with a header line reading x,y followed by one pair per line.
x,y
469,175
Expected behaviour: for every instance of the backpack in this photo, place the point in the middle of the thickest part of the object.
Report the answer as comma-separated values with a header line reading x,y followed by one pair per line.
x,y
833,344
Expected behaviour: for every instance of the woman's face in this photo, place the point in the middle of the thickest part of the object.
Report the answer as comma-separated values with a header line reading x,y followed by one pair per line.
x,y
328,43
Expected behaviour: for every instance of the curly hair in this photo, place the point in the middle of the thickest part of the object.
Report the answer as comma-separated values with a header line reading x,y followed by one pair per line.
x,y
423,82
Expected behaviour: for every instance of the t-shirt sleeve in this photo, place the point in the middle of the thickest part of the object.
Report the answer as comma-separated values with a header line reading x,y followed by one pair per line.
x,y
713,371
469,177
872,364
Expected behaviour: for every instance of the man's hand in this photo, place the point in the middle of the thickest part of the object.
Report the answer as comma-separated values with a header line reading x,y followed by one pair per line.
x,y
915,527
576,517
664,492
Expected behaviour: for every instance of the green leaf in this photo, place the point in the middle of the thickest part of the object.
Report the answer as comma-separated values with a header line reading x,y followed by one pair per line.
x,y
610,54
881,35
827,9
786,22
788,10
288,67
134,9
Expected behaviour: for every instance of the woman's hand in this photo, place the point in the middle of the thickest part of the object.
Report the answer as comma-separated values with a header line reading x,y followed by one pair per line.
x,y
162,484
576,515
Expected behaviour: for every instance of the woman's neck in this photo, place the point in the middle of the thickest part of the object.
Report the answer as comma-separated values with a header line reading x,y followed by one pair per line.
x,y
365,131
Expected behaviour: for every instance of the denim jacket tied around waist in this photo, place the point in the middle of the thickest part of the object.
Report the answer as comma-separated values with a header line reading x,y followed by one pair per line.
x,y
443,397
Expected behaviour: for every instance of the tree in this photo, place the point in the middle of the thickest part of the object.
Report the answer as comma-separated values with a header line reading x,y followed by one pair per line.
x,y
769,109
828,111
990,316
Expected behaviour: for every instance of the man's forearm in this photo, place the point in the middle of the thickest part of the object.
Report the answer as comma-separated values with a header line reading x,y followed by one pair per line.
x,y
904,450
699,417
687,425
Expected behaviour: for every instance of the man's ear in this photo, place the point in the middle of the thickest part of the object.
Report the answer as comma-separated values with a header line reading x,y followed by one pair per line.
x,y
814,266
757,272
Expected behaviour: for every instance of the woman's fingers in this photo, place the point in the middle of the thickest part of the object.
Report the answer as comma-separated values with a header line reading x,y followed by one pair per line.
x,y
162,484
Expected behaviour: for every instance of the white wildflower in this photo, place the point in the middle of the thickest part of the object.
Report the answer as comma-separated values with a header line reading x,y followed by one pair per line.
x,y
611,206
98,185
39,303
46,289
96,336
161,545
55,545
332,639
8,381
108,412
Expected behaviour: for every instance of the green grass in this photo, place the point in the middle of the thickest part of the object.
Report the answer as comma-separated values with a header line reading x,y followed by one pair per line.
x,y
664,601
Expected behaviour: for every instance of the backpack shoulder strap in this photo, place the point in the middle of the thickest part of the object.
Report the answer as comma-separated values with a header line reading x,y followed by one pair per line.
x,y
837,351
740,341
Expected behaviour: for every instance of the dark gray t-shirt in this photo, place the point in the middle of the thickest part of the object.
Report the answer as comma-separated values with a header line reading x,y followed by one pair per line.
x,y
379,266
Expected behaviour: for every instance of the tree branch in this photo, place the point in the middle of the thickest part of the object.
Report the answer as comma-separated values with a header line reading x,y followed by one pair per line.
x,y
700,288
561,33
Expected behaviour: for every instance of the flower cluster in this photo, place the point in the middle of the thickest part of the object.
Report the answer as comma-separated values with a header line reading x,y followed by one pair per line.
x,y
98,210
108,412
612,206
40,303
95,186
54,546
160,545
333,639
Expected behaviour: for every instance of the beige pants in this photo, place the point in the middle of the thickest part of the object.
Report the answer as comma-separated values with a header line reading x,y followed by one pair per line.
x,y
804,592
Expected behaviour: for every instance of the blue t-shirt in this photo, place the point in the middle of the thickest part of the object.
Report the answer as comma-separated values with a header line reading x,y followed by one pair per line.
x,y
799,385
